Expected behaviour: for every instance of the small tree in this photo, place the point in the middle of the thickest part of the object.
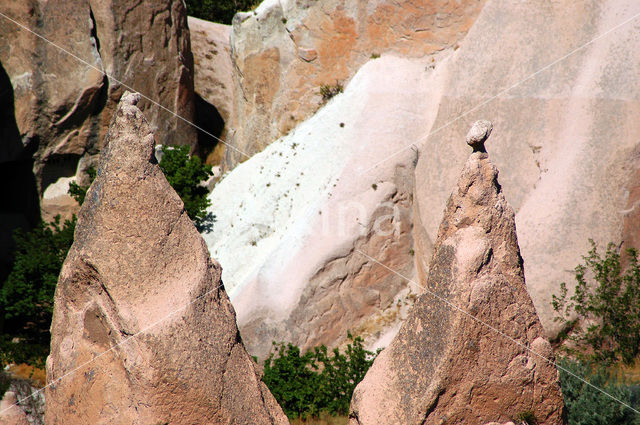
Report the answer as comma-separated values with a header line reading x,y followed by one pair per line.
x,y
26,297
185,173
606,303
318,381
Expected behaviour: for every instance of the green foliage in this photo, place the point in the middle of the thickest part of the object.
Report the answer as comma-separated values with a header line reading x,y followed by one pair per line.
x,y
527,417
328,91
317,381
79,192
607,304
587,405
219,10
26,297
185,173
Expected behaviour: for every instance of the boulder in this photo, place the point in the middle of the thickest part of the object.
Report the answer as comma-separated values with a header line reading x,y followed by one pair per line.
x,y
143,331
10,412
472,349
285,51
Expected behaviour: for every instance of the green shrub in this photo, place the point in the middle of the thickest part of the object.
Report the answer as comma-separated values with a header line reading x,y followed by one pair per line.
x,y
26,297
607,305
317,381
219,10
79,192
184,173
586,405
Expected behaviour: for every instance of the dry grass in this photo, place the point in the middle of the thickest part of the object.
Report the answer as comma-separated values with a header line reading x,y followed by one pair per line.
x,y
37,376
324,419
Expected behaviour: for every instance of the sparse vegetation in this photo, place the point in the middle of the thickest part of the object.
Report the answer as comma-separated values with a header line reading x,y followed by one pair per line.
x,y
606,307
328,91
375,55
221,11
318,381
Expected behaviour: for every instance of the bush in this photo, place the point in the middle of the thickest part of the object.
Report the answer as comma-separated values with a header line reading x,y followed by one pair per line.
x,y
79,192
586,405
607,306
218,10
26,297
185,173
318,381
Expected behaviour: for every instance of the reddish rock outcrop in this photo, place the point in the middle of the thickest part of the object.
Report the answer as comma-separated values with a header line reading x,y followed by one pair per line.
x,y
64,104
143,331
10,413
472,350
285,51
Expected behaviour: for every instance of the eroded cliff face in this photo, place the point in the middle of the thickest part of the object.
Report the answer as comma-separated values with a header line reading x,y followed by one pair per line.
x,y
564,105
64,104
472,349
286,50
143,331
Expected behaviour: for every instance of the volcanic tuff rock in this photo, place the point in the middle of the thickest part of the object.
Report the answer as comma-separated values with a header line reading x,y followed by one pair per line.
x,y
138,281
62,105
10,414
300,209
472,349
286,50
213,82
568,142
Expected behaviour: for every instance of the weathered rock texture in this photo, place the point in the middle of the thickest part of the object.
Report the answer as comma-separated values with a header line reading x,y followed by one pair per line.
x,y
10,413
470,350
213,83
286,50
301,207
138,280
62,105
568,141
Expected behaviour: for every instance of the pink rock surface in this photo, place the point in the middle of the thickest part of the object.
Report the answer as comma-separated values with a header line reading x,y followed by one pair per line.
x,y
472,349
143,331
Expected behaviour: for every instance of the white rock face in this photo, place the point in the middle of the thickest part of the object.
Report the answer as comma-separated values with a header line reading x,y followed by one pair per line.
x,y
565,138
298,209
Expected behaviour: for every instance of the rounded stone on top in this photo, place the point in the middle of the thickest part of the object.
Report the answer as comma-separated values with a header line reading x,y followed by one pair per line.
x,y
130,98
480,131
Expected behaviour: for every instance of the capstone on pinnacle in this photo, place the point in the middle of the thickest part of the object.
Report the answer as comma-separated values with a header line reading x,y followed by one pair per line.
x,y
480,131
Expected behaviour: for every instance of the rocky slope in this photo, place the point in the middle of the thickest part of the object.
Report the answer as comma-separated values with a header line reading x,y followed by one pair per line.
x,y
284,51
143,331
301,208
472,349
557,81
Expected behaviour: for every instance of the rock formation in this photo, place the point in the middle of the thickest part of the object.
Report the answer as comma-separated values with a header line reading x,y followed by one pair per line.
x,y
303,45
472,350
143,331
213,82
62,105
10,413
300,208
